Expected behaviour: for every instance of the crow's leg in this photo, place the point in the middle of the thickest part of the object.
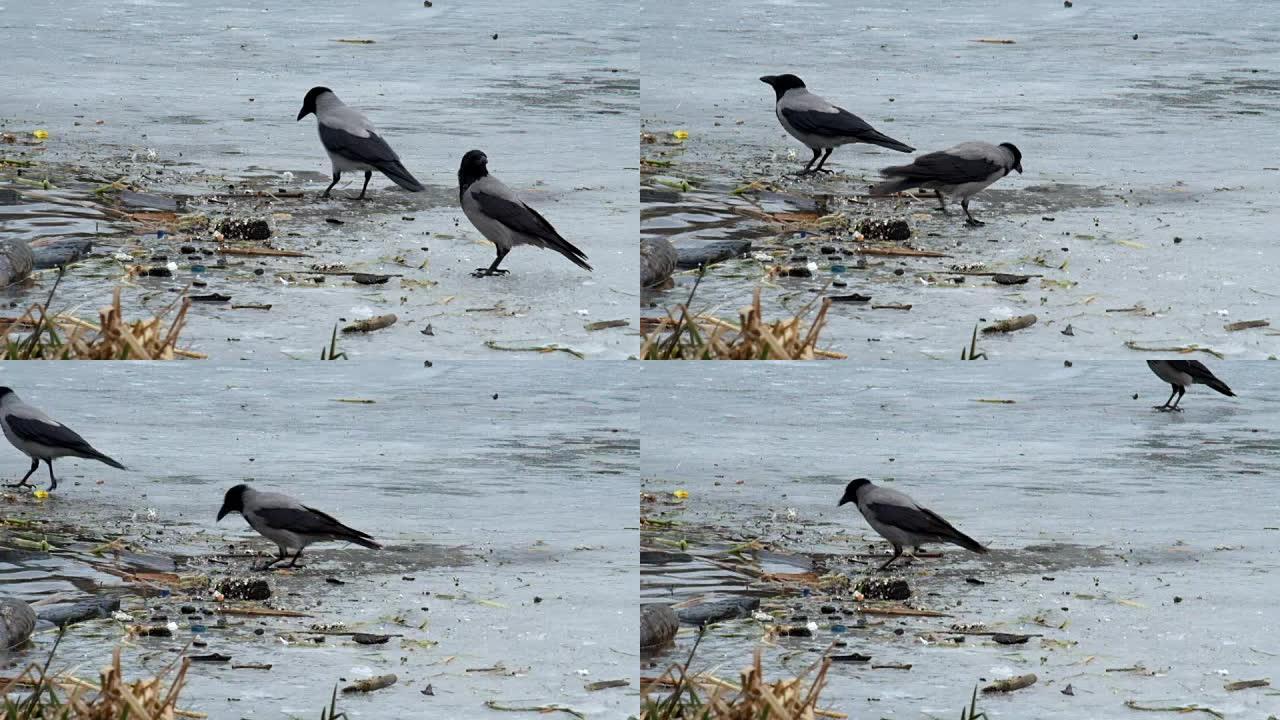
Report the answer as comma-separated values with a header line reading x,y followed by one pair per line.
x,y
823,161
897,553
367,174
336,177
969,218
35,465
493,269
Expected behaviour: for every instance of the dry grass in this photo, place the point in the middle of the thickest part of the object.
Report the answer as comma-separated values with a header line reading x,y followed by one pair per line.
x,y
702,697
683,335
38,334
62,697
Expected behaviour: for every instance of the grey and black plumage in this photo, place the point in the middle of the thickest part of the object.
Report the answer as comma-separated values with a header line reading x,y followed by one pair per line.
x,y
40,437
1181,374
819,124
502,217
352,142
288,523
901,520
958,172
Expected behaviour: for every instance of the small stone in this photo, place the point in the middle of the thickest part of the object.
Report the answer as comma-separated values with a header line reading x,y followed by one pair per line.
x,y
1177,599
159,271
827,609
799,271
187,609
188,249
827,249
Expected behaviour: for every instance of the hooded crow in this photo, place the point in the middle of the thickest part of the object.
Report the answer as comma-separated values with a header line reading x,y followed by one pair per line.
x,y
819,124
1181,374
500,215
901,521
962,171
41,437
287,522
352,142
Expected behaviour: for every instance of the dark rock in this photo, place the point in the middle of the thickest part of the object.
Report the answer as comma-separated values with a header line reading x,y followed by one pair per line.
x,y
158,631
244,228
658,260
1010,638
827,249
887,229
211,657
854,297
851,657
1006,279
799,271
798,631
370,639
658,626
243,588
187,249
875,588
159,271
187,609
369,279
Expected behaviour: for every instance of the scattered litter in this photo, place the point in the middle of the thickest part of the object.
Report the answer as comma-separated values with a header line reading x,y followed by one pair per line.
x,y
1011,324
1246,324
1133,705
606,324
376,682
493,345
1010,684
1246,684
606,684
370,324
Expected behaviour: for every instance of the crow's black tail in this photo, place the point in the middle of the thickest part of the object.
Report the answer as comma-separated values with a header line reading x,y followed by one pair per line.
x,y
401,176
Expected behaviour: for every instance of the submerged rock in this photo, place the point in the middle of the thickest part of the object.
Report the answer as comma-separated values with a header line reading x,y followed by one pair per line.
x,y
658,260
658,626
718,610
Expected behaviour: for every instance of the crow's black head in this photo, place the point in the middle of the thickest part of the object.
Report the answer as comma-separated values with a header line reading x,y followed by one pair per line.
x,y
782,83
1017,155
475,165
4,391
309,102
851,490
233,501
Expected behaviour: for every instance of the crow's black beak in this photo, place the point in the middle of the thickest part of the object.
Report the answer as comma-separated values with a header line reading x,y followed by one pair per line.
x,y
223,513
303,113
845,499
1018,167
768,79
